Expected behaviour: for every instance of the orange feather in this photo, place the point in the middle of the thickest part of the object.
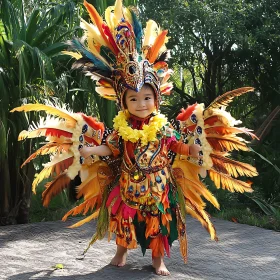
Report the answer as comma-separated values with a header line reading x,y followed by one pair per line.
x,y
97,19
226,143
49,148
232,167
154,50
53,188
87,205
228,183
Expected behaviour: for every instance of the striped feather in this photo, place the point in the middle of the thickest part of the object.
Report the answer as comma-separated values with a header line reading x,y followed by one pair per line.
x,y
232,167
227,97
202,216
87,205
49,109
53,188
43,132
226,143
57,165
228,183
223,130
49,148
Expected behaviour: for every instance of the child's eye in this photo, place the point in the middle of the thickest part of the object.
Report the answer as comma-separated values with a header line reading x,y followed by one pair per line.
x,y
147,98
133,99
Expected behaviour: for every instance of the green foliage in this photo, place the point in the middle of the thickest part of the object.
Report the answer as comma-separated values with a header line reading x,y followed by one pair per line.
x,y
29,46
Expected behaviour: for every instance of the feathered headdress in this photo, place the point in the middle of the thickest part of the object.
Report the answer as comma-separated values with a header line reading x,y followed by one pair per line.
x,y
119,55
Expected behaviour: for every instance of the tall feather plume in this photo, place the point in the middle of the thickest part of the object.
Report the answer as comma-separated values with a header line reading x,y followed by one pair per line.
x,y
227,97
138,31
150,34
154,50
96,18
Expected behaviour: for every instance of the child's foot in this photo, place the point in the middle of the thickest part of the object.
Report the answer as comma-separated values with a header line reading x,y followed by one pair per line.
x,y
120,257
160,267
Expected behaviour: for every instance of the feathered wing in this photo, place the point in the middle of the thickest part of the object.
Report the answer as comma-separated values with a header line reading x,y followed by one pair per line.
x,y
65,134
214,129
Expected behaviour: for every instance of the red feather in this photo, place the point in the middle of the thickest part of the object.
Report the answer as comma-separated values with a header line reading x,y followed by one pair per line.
x,y
93,123
108,33
57,132
185,114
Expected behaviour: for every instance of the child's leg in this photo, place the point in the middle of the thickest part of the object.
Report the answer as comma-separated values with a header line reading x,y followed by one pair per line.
x,y
160,267
120,257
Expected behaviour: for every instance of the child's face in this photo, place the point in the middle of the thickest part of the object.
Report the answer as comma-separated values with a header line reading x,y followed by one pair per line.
x,y
140,104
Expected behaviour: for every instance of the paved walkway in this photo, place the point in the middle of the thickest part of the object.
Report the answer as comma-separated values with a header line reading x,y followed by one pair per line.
x,y
243,252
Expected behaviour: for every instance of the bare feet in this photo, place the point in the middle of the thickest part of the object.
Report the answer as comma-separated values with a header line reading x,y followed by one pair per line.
x,y
160,267
120,257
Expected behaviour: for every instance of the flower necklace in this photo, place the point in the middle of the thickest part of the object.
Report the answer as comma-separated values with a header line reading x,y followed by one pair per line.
x,y
146,134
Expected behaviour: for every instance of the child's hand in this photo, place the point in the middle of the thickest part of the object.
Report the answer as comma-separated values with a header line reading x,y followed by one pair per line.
x,y
194,150
85,152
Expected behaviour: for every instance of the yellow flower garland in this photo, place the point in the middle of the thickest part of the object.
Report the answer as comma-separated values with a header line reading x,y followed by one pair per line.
x,y
146,134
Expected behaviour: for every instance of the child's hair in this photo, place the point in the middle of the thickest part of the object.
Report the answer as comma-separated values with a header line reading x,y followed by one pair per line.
x,y
144,86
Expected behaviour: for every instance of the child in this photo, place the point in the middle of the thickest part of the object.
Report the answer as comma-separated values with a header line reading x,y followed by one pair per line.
x,y
152,185
147,176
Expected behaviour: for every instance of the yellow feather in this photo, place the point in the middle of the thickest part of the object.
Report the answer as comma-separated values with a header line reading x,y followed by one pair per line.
x,y
76,55
105,92
150,34
186,175
228,183
118,12
62,113
83,207
86,220
128,16
99,176
93,33
234,168
224,143
203,217
109,15
49,169
31,134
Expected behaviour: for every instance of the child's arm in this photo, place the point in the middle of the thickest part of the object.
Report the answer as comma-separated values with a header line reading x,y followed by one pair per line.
x,y
101,150
185,149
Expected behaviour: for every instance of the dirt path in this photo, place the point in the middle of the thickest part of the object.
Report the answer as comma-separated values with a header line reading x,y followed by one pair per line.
x,y
243,252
